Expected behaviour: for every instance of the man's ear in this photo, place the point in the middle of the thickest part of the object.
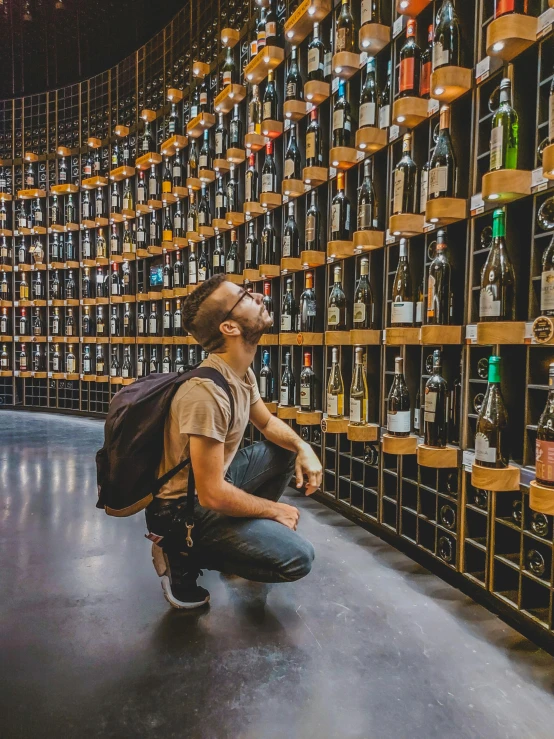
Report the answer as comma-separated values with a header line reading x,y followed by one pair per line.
x,y
229,328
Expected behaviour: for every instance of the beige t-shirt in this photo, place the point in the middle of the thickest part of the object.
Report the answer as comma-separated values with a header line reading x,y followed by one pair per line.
x,y
201,408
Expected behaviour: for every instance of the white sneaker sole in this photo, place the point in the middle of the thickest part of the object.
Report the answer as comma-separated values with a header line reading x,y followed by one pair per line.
x,y
179,604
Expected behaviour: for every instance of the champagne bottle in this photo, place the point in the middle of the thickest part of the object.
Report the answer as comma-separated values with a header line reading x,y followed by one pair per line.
x,y
288,384
434,410
544,452
288,309
442,167
266,379
447,43
307,385
359,391
363,299
438,285
402,309
492,437
404,180
336,307
398,403
335,388
307,305
505,131
497,295
345,31
410,63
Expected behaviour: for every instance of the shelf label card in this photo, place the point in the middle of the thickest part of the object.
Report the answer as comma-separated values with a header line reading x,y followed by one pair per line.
x,y
467,460
544,22
528,336
538,180
526,475
428,227
477,205
49,374
16,338
433,106
483,69
394,133
471,334
389,238
287,124
384,336
398,26
335,84
16,268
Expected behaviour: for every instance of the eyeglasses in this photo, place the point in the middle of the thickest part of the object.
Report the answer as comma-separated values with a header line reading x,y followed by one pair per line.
x,y
243,294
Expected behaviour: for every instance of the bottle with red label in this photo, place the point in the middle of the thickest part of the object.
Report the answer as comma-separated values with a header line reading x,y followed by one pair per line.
x,y
503,7
427,66
410,63
544,463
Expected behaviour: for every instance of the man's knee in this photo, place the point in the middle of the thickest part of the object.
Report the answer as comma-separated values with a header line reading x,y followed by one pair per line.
x,y
299,563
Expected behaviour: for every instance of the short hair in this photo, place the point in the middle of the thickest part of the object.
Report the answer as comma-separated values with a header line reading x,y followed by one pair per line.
x,y
201,320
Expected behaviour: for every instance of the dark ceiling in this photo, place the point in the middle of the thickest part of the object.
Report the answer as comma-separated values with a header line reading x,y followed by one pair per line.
x,y
66,41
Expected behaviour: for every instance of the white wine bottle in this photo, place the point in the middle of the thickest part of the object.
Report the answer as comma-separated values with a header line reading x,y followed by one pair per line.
x,y
358,391
335,388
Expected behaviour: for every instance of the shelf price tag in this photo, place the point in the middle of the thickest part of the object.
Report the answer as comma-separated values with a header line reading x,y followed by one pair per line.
x,y
538,180
467,460
483,70
49,374
544,23
398,26
526,475
16,373
394,133
16,338
16,303
477,205
428,227
335,84
471,334
384,336
287,124
389,238
16,268
433,106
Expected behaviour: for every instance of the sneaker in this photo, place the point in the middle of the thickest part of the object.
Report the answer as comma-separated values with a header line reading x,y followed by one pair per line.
x,y
178,582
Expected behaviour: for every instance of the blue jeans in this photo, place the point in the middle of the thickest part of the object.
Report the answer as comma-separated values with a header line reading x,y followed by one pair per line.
x,y
254,548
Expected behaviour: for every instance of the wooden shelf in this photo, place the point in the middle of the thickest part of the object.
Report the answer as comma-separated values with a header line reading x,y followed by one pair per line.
x,y
444,211
236,279
337,338
272,129
269,340
200,69
317,92
548,162
340,250
293,188
498,480
198,125
373,37
295,110
220,224
252,275
147,160
148,115
253,142
236,156
206,176
270,57
234,218
371,139
343,157
64,189
291,264
368,240
541,498
193,236
441,335
94,143
63,151
309,418
445,458
268,271
271,407
31,193
399,336
229,96
301,339
510,34
367,432
506,185
229,37
345,64
271,200
501,332
5,197
450,83
334,425
173,144
121,173
409,111
174,95
253,209
365,337
314,176
193,183
287,413
301,22
400,445
311,259
30,156
91,183
411,7
407,224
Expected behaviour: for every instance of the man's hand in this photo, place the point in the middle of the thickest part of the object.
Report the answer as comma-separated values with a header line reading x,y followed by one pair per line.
x,y
286,514
309,465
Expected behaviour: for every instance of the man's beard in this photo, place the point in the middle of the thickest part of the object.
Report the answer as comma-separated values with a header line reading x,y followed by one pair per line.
x,y
254,330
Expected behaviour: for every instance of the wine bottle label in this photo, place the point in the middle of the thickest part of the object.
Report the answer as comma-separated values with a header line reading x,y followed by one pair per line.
x,y
190,223
176,172
438,181
419,312
551,118
333,405
202,274
86,365
360,313
305,396
367,114
289,168
407,74
384,116
340,40
55,364
338,119
356,410
140,368
398,191
203,161
313,61
124,372
270,29
430,405
365,220
227,77
203,98
284,395
424,190
416,419
192,273
497,140
263,386
267,183
220,201
218,144
286,323
483,450
286,245
398,421
310,145
335,218
333,315
231,266
547,290
167,320
544,456
310,228
177,320
425,82
141,193
152,324
366,12
266,108
290,90
402,312
488,306
431,293
441,56
328,63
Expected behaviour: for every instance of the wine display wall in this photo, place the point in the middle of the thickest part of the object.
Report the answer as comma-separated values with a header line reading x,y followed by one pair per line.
x,y
381,172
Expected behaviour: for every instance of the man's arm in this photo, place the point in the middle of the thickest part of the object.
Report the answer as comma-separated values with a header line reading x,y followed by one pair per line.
x,y
280,433
216,493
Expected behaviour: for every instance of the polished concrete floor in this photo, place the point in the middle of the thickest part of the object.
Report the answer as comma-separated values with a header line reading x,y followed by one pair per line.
x,y
369,646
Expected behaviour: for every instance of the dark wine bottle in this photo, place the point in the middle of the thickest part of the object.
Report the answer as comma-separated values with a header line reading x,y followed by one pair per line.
x,y
270,101
447,42
267,253
288,384
362,317
316,57
442,166
439,301
398,403
293,169
307,306
314,157
410,63
492,438
288,309
342,120
427,66
340,212
345,31
434,410
367,202
497,296
544,453
294,89
547,280
402,309
269,171
291,239
307,385
336,305
251,248
266,379
404,181
313,221
368,96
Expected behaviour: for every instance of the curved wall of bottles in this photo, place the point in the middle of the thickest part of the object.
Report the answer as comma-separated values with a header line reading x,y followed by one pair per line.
x,y
290,206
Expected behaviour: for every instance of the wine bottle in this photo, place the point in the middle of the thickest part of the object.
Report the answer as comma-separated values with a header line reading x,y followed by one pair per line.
x,y
307,385
367,202
447,42
385,100
232,266
492,438
167,329
307,311
288,309
502,7
336,306
551,113
205,155
228,69
402,309
544,450
342,119
220,199
313,224
251,181
505,131
266,379
547,281
271,26
404,182
368,97
293,168
269,171
268,255
442,166
255,112
417,412
251,248
439,300
267,301
291,239
359,392
314,156
497,295
345,31
370,12
335,388
288,384
204,272
316,57
294,89
410,63
398,403
340,212
270,103
434,410
362,317
232,191
176,170
235,129
218,256
220,137
427,66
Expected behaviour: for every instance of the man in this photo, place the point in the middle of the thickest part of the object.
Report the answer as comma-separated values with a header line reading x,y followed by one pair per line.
x,y
240,527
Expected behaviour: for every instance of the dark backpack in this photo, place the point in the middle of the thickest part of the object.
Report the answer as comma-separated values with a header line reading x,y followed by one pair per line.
x,y
127,464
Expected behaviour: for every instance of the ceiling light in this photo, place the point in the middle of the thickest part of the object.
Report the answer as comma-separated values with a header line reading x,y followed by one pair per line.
x,y
494,196
498,46
439,91
366,43
401,118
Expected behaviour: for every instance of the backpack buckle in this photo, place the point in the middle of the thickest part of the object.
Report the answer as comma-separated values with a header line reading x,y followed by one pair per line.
x,y
190,527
